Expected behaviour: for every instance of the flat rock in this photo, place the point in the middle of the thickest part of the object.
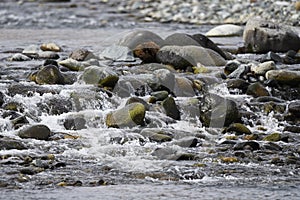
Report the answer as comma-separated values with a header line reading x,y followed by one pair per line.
x,y
284,77
225,30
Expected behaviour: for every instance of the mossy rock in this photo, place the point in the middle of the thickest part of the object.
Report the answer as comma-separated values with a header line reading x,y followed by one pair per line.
x,y
129,116
49,74
100,76
274,137
239,129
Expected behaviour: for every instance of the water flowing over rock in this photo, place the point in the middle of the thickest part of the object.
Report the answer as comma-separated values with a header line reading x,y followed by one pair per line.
x,y
261,36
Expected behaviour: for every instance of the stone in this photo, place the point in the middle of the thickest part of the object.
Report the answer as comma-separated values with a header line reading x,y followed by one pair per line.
x,y
50,47
156,135
129,116
294,108
160,95
55,105
2,98
137,100
75,123
73,65
49,74
183,87
165,80
146,52
231,66
187,142
48,55
291,78
31,50
261,36
7,144
19,57
117,53
181,57
263,68
248,145
217,112
225,30
271,56
81,55
171,108
274,137
39,132
135,38
101,76
180,39
257,90
237,84
239,129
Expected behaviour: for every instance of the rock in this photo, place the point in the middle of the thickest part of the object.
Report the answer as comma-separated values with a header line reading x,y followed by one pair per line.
x,y
287,77
187,142
2,98
7,143
137,100
271,56
261,36
294,108
50,47
156,135
231,66
216,111
297,5
240,72
31,50
75,123
160,95
239,129
81,55
257,90
182,57
180,39
19,57
274,137
170,108
268,99
248,145
237,84
48,55
165,80
39,132
129,116
183,87
117,53
55,105
263,68
49,74
73,65
135,38
146,52
293,129
101,76
225,30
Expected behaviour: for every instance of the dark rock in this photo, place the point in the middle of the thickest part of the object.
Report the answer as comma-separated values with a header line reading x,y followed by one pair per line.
x,y
262,36
81,55
39,132
183,87
49,74
257,90
165,80
75,123
29,90
240,72
180,39
231,66
55,106
271,56
272,146
187,142
294,108
2,100
160,95
249,145
146,52
129,116
216,111
50,62
7,143
293,129
182,57
135,38
237,84
268,99
171,108
48,55
156,135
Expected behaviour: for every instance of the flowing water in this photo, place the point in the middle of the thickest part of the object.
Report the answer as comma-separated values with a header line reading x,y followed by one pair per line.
x,y
108,163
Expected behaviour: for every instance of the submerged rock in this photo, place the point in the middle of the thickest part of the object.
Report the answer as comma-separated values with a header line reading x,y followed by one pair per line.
x,y
261,36
39,132
129,116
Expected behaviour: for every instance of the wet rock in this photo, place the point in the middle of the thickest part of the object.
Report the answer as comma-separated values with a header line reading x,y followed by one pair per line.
x,y
182,57
187,142
48,55
180,39
293,129
14,106
257,90
249,145
31,51
101,76
50,47
7,143
284,77
268,99
81,55
2,98
183,87
49,74
39,132
129,116
156,135
171,108
263,68
55,106
75,123
137,100
146,51
239,129
165,80
117,53
216,111
271,56
160,95
272,146
262,36
73,65
135,38
225,30
294,108
274,137
231,66
240,72
237,84
19,57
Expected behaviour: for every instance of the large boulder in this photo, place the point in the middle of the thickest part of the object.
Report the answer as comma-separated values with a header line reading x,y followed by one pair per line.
x,y
181,57
262,36
129,116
